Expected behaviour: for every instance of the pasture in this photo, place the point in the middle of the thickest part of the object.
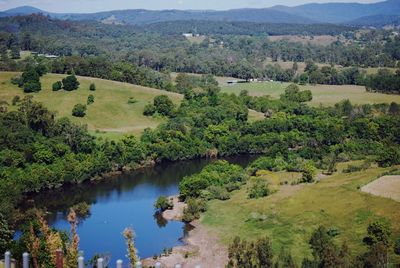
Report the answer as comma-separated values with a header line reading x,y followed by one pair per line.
x,y
325,95
386,186
290,215
109,116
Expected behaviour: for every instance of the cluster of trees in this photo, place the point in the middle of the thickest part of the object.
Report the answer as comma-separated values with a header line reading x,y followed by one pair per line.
x,y
68,83
325,252
384,81
30,79
106,51
162,105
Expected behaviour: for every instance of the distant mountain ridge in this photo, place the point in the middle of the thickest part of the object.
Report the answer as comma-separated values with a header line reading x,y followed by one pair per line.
x,y
339,13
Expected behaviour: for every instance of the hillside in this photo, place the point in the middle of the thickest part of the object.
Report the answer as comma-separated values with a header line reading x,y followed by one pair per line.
x,y
303,14
110,111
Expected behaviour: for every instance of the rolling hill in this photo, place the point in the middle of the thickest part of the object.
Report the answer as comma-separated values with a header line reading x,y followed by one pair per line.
x,y
110,115
340,13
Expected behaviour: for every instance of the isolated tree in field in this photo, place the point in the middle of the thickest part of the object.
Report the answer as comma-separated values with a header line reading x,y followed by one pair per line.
x,y
90,99
57,86
79,110
92,87
70,83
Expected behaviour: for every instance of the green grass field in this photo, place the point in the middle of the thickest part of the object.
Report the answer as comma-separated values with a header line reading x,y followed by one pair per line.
x,y
322,94
109,116
290,215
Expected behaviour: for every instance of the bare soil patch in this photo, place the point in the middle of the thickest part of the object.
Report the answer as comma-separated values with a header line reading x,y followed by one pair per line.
x,y
386,186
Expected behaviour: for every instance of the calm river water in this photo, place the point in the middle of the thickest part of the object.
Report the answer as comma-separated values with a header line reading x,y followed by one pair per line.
x,y
125,201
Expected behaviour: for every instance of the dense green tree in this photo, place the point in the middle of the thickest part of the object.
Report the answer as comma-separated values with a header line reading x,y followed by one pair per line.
x,y
90,99
163,105
57,86
70,83
79,110
92,87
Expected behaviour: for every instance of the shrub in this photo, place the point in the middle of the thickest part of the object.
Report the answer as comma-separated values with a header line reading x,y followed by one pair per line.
x,y
149,110
215,192
79,110
90,99
32,86
163,203
163,105
57,86
132,100
15,100
259,189
92,87
308,173
193,209
397,246
70,83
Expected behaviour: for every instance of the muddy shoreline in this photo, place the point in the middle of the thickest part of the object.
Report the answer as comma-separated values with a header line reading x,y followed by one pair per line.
x,y
201,245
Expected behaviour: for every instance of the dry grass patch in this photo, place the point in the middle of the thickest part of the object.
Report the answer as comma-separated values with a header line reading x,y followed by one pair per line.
x,y
386,186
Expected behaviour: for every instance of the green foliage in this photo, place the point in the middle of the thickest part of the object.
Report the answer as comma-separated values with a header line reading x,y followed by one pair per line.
x,y
258,189
163,105
378,232
90,99
193,209
92,87
57,86
163,203
220,173
31,86
245,254
70,83
293,93
6,234
79,110
397,246
308,173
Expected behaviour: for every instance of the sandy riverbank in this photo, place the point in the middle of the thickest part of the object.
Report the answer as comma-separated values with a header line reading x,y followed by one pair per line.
x,y
201,246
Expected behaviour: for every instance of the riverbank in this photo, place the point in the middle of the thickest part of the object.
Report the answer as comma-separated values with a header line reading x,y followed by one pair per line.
x,y
201,245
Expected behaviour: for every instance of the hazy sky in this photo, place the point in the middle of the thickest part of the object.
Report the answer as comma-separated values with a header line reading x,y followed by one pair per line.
x,y
101,5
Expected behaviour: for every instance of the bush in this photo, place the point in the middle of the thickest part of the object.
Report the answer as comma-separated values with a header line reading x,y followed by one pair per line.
x,y
79,110
32,86
193,209
149,110
355,168
57,86
15,100
70,83
163,203
308,173
92,87
215,192
397,246
132,100
259,189
163,105
90,99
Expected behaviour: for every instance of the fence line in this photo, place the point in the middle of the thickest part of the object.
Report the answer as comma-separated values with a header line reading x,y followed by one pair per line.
x,y
80,261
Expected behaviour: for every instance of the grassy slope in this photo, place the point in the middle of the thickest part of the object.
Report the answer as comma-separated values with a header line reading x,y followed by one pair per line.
x,y
110,113
322,94
295,211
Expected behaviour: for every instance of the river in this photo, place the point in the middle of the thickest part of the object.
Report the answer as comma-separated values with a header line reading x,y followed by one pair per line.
x,y
125,201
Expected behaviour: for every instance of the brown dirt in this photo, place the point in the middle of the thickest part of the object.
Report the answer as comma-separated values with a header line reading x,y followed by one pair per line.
x,y
386,186
202,247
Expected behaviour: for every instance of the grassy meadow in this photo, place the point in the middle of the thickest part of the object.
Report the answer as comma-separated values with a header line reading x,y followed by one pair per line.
x,y
322,94
109,116
290,215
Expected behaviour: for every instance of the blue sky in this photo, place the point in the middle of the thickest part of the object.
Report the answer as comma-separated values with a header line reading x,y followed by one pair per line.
x,y
101,5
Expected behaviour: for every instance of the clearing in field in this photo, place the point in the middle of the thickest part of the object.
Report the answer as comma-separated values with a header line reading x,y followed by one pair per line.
x,y
386,186
290,215
109,116
326,95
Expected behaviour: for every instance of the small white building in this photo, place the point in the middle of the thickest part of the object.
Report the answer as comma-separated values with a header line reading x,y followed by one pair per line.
x,y
187,34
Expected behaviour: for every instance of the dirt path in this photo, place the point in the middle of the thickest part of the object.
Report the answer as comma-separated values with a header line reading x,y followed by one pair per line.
x,y
202,247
